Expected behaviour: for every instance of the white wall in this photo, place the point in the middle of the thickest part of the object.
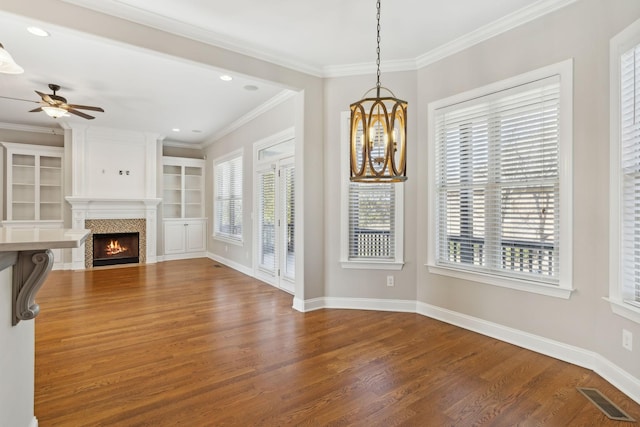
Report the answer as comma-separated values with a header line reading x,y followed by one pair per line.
x,y
111,163
17,360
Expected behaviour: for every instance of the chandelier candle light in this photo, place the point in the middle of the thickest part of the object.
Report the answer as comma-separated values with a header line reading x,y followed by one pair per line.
x,y
378,133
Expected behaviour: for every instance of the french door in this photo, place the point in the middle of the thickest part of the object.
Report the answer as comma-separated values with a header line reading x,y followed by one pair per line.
x,y
275,231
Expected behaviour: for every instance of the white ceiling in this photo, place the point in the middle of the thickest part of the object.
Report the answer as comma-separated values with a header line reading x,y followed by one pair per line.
x,y
155,92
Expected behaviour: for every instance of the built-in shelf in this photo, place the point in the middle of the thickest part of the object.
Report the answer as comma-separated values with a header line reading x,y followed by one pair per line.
x,y
34,182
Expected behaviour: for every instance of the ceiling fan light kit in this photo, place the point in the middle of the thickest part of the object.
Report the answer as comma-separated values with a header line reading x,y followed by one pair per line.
x,y
56,106
7,64
54,112
378,134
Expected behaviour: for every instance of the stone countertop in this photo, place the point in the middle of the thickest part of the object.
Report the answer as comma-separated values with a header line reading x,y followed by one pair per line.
x,y
27,239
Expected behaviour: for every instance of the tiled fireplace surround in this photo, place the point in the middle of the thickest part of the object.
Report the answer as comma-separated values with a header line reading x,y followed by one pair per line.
x,y
114,215
108,226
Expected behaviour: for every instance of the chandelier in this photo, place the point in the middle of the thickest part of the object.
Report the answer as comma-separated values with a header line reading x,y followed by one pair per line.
x,y
378,133
7,63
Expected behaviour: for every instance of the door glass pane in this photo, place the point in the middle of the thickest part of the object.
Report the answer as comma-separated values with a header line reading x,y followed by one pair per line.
x,y
266,221
279,150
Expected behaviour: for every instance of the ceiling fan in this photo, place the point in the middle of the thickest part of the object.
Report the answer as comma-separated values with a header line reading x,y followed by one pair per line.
x,y
56,106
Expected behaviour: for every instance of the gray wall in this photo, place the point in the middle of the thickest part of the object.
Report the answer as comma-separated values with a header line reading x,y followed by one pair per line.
x,y
580,31
352,283
273,121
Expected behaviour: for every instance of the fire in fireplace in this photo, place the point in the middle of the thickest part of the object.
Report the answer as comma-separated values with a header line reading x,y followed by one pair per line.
x,y
115,248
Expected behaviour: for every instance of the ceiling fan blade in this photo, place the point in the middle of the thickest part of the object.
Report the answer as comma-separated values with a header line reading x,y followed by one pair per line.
x,y
36,110
80,113
45,97
20,99
85,107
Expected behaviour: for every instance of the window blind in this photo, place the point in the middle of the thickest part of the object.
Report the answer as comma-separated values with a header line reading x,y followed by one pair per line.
x,y
630,165
372,220
497,182
288,191
267,220
228,198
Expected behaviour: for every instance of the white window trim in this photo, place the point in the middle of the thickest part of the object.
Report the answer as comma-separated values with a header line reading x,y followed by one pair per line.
x,y
223,237
619,44
373,264
565,287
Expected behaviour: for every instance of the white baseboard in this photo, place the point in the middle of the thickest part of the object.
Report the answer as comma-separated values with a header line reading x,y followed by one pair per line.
x,y
174,257
618,377
556,349
34,422
232,264
405,306
298,304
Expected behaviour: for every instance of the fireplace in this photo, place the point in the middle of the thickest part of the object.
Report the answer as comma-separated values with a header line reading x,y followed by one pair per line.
x,y
115,248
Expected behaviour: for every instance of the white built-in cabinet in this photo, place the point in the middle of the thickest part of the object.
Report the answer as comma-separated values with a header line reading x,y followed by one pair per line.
x,y
33,187
186,236
185,227
34,182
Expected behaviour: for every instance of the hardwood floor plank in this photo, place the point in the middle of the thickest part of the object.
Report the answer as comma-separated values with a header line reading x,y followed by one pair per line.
x,y
186,342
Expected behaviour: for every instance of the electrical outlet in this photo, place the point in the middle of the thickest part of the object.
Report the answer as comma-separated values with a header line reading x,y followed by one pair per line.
x,y
390,281
627,340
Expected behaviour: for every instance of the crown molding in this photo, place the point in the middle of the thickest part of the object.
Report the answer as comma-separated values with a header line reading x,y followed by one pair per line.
x,y
369,68
256,112
183,29
130,13
502,25
30,128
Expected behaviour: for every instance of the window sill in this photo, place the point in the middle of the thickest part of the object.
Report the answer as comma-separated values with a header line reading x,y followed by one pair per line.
x,y
222,238
510,283
373,265
624,309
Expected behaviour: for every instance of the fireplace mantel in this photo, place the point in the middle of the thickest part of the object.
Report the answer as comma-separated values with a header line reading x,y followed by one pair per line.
x,y
89,208
102,203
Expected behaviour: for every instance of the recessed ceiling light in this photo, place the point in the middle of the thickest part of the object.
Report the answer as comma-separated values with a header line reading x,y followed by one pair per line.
x,y
38,31
251,87
226,78
176,129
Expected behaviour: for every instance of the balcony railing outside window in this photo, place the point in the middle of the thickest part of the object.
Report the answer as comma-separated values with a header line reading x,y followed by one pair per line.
x,y
522,256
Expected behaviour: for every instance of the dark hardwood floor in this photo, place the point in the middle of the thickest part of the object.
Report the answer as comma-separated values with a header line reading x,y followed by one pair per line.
x,y
195,344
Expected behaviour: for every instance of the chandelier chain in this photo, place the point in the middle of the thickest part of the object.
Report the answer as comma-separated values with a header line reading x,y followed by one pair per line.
x,y
378,47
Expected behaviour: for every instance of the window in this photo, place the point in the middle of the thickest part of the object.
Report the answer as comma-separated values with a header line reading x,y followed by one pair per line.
x,y
227,173
372,219
624,292
500,193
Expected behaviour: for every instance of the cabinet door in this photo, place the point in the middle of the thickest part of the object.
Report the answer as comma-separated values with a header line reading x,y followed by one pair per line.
x,y
174,237
22,198
196,236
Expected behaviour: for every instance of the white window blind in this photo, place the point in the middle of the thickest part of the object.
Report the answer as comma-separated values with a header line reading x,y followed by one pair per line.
x,y
497,183
228,199
288,191
372,221
630,173
267,220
